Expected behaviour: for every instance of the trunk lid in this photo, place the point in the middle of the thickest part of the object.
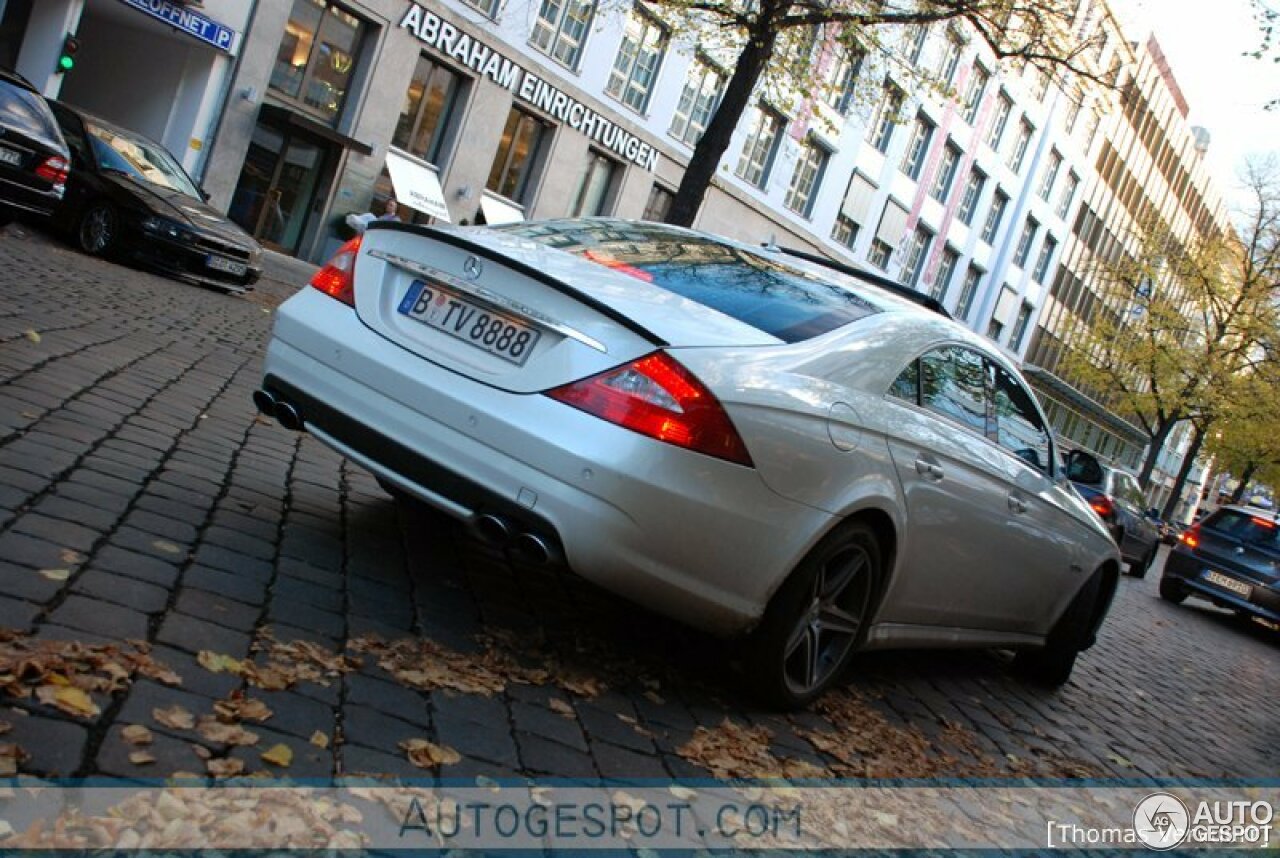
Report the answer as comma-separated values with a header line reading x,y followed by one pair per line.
x,y
517,314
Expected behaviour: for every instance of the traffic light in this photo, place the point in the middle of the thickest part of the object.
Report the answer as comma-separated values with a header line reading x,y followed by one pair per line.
x,y
67,58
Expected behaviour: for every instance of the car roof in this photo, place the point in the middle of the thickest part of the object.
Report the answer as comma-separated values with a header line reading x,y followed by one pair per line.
x,y
1248,509
12,77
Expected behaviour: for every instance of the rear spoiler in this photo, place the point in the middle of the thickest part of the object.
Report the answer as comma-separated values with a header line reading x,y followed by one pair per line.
x,y
532,273
872,279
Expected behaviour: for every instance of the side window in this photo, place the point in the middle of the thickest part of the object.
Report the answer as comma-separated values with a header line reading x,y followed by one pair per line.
x,y
907,385
1018,426
1127,488
954,383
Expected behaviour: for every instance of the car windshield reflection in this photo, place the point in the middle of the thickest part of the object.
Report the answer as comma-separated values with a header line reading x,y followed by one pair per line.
x,y
138,159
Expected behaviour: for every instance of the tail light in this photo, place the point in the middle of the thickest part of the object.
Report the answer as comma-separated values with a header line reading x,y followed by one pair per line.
x,y
54,168
657,397
338,277
1103,506
1190,537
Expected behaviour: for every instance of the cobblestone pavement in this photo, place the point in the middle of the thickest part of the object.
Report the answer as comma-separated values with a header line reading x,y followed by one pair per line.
x,y
140,498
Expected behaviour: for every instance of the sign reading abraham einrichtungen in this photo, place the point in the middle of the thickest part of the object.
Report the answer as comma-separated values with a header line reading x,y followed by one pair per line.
x,y
484,60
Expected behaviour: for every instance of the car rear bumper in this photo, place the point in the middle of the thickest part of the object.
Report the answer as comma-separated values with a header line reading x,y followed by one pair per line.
x,y
1263,601
18,197
691,536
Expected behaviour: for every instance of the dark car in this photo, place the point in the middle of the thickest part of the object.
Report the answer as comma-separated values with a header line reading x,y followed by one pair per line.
x,y
33,156
127,196
1115,496
1229,558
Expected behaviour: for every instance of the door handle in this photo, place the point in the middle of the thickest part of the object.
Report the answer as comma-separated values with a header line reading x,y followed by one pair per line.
x,y
1017,504
928,469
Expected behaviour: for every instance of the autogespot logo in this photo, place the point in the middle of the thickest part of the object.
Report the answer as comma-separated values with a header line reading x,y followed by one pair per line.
x,y
1161,821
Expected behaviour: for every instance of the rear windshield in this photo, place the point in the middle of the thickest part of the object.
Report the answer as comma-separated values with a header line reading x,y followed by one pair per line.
x,y
1246,528
782,301
25,111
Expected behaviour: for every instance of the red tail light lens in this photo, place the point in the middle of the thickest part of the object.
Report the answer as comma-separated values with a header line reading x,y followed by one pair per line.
x,y
1190,538
1102,506
657,397
338,277
54,168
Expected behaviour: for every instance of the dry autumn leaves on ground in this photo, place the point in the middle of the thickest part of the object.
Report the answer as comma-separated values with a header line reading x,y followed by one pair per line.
x,y
79,680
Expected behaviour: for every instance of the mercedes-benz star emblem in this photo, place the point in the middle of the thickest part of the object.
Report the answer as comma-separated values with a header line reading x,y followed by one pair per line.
x,y
472,267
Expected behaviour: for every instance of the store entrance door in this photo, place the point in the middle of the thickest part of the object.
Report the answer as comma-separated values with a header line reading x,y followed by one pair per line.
x,y
278,183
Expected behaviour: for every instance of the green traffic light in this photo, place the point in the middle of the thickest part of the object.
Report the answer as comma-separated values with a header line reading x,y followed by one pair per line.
x,y
65,62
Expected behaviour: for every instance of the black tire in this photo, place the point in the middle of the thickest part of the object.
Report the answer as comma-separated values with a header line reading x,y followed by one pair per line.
x,y
817,619
98,230
1051,665
1172,590
1143,566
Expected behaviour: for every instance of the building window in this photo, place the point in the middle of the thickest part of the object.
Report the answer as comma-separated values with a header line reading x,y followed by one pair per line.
x,y
879,254
1068,195
702,89
916,34
841,76
596,188
950,57
972,277
1020,146
807,178
886,117
560,30
1020,327
317,57
658,204
1025,241
917,252
1004,107
517,155
973,93
1045,259
1091,128
946,270
946,173
488,7
994,215
1041,88
1073,113
763,135
639,56
428,114
918,148
972,193
845,230
1050,175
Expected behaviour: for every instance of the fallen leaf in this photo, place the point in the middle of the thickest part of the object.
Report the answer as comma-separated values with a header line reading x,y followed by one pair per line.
x,y
486,782
71,557
563,708
74,701
6,830
30,415
280,755
213,730
32,335
225,768
683,793
141,758
654,698
216,662
166,546
201,751
56,574
424,754
242,709
136,734
319,739
10,756
1120,761
174,717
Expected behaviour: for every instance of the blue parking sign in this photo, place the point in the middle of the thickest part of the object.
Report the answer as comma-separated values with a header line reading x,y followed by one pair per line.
x,y
188,21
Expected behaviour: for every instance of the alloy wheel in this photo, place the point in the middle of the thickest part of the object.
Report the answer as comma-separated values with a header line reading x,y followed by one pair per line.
x,y
829,624
97,230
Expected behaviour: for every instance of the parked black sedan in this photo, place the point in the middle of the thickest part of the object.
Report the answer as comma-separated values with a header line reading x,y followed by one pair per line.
x,y
128,196
33,155
1231,558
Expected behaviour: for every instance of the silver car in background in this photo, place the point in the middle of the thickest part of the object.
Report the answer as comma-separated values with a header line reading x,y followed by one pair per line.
x,y
751,442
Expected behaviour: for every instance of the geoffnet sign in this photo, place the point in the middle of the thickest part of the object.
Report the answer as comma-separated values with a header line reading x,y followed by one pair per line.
x,y
484,60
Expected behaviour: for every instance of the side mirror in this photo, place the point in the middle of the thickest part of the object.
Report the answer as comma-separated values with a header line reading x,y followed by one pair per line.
x,y
1083,467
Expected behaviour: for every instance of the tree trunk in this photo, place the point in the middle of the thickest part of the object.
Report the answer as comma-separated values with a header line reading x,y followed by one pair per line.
x,y
711,146
1238,495
1154,447
1188,462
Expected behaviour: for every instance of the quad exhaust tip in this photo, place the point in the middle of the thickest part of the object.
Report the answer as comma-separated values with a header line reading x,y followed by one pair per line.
x,y
271,406
266,403
492,530
520,545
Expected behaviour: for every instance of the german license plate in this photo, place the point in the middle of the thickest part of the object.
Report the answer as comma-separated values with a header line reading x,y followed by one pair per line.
x,y
221,263
8,156
1228,583
481,326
